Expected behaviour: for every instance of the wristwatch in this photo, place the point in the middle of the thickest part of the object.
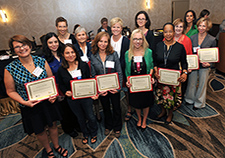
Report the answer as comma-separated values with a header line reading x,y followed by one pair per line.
x,y
185,72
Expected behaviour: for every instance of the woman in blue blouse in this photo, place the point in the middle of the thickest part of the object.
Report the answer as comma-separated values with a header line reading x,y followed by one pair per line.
x,y
36,115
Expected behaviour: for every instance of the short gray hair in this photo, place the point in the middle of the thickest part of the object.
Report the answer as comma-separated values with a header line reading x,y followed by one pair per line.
x,y
80,29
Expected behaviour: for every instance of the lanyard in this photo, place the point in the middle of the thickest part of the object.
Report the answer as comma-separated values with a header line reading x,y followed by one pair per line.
x,y
166,53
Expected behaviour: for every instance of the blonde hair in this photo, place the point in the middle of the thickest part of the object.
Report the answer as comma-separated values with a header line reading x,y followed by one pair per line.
x,y
131,49
208,23
177,22
115,20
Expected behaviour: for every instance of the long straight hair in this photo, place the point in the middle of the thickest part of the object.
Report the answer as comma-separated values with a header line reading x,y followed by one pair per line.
x,y
131,49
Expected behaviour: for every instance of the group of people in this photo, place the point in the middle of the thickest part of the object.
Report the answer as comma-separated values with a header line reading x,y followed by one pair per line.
x,y
70,57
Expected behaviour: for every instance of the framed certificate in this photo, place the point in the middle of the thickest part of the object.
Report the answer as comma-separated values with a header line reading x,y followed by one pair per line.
x,y
140,83
169,76
193,62
84,88
107,82
210,55
41,89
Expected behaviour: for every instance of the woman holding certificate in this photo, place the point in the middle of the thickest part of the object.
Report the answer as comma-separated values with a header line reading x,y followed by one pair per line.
x,y
104,60
197,96
120,44
52,49
169,54
73,68
139,61
84,49
36,115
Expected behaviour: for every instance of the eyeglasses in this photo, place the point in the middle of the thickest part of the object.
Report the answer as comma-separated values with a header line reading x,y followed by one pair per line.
x,y
138,39
19,47
141,19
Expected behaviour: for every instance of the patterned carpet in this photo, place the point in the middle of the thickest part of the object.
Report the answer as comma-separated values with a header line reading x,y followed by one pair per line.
x,y
192,133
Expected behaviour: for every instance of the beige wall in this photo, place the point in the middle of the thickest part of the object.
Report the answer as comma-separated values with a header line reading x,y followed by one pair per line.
x,y
37,17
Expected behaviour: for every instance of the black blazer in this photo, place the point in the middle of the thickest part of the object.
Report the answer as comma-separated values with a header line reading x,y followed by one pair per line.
x,y
151,40
64,76
125,46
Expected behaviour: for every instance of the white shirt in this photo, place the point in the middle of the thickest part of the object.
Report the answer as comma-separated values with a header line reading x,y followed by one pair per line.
x,y
117,45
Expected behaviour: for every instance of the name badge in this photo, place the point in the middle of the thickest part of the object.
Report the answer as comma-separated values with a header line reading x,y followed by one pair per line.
x,y
76,73
68,41
84,58
110,64
137,59
102,30
37,72
195,49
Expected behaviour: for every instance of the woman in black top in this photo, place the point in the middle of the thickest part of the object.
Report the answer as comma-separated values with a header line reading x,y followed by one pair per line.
x,y
142,22
63,34
169,54
71,68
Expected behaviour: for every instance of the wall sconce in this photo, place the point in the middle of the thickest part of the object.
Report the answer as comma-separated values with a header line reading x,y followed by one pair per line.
x,y
148,4
3,15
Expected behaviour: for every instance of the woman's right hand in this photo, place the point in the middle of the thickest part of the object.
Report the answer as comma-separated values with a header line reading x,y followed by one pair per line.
x,y
104,93
128,84
31,103
68,93
157,75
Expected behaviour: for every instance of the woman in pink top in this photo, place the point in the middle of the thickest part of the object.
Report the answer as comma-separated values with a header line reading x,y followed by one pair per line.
x,y
181,37
186,41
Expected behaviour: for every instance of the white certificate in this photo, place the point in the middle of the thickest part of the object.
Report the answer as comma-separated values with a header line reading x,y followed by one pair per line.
x,y
208,55
140,83
41,89
169,77
85,88
108,82
192,61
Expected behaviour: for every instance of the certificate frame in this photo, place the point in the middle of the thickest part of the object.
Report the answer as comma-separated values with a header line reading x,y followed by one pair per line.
x,y
196,64
113,76
75,83
214,52
132,79
30,87
176,74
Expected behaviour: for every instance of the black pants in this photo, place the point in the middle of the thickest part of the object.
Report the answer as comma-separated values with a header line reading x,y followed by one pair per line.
x,y
69,121
113,119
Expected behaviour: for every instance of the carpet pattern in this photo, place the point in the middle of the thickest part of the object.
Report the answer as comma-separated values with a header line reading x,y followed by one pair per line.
x,y
192,133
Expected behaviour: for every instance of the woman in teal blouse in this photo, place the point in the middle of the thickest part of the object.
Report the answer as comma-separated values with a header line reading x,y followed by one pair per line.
x,y
189,20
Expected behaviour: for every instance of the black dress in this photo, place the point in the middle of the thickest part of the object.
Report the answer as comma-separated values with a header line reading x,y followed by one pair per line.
x,y
140,100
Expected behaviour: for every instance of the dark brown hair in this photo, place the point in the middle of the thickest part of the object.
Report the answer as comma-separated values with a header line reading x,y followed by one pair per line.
x,y
104,20
60,19
21,39
64,62
94,44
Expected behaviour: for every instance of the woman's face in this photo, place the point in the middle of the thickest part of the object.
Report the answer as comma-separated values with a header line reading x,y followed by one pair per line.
x,y
53,44
189,17
116,29
103,43
168,33
202,27
69,54
179,29
138,40
62,28
81,37
22,50
141,20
